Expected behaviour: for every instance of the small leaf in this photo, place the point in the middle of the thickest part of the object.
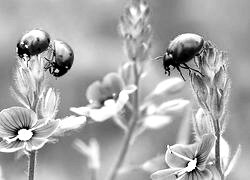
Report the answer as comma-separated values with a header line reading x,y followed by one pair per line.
x,y
173,107
199,87
233,161
168,86
202,124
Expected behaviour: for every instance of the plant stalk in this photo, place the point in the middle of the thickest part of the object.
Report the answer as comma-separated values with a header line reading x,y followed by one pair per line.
x,y
32,164
216,125
129,134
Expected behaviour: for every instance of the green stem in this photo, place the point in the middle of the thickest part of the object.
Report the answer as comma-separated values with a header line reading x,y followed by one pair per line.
x,y
130,131
32,164
216,125
33,154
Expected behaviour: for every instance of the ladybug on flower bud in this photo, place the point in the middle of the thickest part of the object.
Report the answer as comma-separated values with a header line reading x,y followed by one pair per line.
x,y
33,43
62,59
180,51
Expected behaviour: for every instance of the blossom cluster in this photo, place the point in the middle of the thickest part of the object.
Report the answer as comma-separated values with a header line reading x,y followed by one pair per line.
x,y
207,158
29,127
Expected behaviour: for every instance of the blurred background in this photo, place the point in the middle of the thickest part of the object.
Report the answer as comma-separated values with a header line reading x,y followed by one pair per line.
x,y
90,27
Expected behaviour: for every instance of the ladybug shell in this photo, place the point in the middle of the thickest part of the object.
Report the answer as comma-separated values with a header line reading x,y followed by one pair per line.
x,y
64,55
184,47
36,41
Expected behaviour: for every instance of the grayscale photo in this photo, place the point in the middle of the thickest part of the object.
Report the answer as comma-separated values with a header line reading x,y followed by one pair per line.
x,y
124,90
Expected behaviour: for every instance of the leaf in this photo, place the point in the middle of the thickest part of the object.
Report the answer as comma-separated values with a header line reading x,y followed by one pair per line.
x,y
233,161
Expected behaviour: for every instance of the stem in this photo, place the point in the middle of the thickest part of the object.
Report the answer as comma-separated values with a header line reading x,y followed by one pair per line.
x,y
130,131
33,154
93,174
216,125
32,163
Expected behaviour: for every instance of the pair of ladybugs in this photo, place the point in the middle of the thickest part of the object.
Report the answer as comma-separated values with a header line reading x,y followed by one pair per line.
x,y
181,50
37,41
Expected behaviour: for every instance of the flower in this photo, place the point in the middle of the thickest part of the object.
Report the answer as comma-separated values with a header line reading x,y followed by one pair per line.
x,y
188,162
136,31
106,98
21,129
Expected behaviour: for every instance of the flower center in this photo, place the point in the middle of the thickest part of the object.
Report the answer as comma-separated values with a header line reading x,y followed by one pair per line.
x,y
25,134
191,165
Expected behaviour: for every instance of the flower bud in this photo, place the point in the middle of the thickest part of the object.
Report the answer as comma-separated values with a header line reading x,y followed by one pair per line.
x,y
49,104
199,87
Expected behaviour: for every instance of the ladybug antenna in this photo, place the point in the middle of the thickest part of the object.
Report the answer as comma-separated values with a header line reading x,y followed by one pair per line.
x,y
158,58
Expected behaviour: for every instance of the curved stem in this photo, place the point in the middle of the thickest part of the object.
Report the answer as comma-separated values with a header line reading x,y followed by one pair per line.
x,y
130,131
32,164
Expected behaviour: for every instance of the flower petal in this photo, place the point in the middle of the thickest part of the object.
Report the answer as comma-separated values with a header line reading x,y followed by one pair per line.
x,y
154,164
35,143
156,121
11,147
122,99
165,174
93,92
46,130
70,123
200,175
204,150
83,111
175,161
110,86
113,83
15,118
215,173
104,112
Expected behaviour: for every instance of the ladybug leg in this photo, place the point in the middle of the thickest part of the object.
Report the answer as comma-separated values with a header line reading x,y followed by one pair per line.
x,y
158,58
189,68
51,70
167,71
178,68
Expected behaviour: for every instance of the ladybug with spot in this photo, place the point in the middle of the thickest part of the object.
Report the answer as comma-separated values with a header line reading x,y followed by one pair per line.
x,y
32,43
62,59
180,51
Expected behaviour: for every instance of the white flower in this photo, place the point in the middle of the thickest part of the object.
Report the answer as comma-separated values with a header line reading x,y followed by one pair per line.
x,y
106,98
20,129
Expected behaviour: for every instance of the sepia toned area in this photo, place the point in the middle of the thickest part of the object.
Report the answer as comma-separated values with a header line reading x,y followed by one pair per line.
x,y
91,29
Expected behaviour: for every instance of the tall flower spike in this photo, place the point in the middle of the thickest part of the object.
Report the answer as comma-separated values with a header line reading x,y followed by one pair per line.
x,y
212,92
135,29
20,129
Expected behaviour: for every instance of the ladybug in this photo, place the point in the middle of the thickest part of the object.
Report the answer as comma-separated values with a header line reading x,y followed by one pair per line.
x,y
33,43
62,59
180,51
